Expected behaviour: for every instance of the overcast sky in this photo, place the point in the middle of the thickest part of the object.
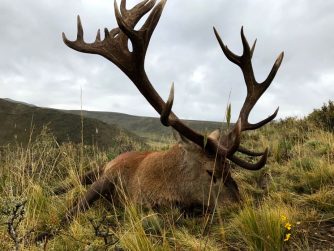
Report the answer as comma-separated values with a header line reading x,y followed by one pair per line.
x,y
36,67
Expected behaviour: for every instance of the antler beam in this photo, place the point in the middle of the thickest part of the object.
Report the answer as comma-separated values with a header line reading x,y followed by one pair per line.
x,y
254,92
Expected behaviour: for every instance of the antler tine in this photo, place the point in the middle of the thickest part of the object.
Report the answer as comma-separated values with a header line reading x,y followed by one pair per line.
x,y
229,54
123,25
274,70
251,166
98,36
123,7
79,44
80,29
246,49
168,108
253,48
250,126
153,19
248,152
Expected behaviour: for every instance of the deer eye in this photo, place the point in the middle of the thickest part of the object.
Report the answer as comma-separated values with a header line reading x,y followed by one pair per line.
x,y
211,155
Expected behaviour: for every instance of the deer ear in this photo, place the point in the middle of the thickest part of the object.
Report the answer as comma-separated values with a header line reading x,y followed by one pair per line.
x,y
214,134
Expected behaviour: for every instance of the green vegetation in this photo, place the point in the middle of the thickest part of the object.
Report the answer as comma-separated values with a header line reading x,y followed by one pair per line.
x,y
324,116
288,205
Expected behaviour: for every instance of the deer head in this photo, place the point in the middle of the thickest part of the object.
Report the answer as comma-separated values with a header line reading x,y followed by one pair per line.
x,y
187,172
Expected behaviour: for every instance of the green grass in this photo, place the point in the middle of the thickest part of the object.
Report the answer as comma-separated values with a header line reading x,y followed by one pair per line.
x,y
297,183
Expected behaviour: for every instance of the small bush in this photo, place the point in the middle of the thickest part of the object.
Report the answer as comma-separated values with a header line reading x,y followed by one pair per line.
x,y
323,117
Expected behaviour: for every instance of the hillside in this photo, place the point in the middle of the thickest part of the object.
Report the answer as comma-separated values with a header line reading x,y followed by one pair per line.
x,y
149,127
18,120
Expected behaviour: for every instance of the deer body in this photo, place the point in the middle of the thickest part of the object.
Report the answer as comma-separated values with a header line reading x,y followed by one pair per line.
x,y
151,178
182,175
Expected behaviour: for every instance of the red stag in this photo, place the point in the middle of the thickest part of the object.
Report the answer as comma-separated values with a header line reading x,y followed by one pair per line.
x,y
192,171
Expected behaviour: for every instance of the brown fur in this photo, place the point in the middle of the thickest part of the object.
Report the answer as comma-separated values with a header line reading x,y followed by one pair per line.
x,y
183,175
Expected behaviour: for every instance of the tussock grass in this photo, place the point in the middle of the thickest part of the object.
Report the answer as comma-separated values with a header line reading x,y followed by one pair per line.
x,y
296,187
261,228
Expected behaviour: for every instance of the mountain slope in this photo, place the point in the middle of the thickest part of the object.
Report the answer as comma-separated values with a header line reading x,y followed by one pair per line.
x,y
18,120
145,126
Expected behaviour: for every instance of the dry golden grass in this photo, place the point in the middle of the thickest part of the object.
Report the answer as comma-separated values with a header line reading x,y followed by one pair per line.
x,y
296,187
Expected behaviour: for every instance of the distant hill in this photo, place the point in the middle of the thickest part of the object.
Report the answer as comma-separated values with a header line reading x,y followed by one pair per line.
x,y
19,102
145,126
17,120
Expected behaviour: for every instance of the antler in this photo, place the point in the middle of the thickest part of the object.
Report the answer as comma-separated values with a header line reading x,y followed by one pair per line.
x,y
254,92
114,47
